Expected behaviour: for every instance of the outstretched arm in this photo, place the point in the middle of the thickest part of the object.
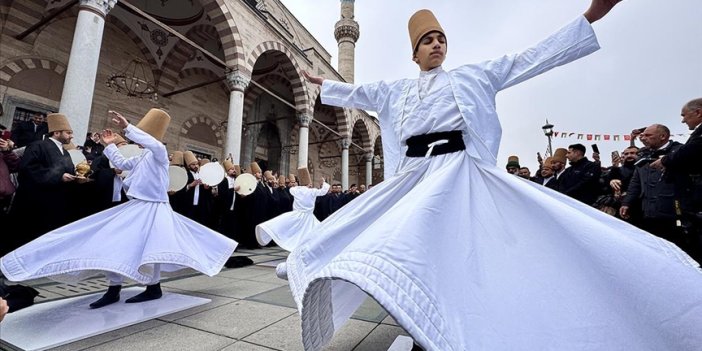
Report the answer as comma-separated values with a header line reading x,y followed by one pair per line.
x,y
599,8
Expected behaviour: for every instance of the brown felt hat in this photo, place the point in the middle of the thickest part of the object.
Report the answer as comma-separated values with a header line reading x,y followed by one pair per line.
x,y
255,168
548,162
291,178
155,123
189,158
560,155
204,161
267,175
237,169
177,158
227,165
58,122
281,180
420,24
304,176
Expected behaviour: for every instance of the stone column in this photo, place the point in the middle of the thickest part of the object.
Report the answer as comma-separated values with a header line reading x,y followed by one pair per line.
x,y
237,83
304,139
345,143
79,85
369,168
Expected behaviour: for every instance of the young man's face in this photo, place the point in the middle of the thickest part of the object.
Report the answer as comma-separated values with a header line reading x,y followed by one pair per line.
x,y
431,51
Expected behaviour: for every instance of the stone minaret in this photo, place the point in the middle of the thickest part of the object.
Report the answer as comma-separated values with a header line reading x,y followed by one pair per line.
x,y
346,33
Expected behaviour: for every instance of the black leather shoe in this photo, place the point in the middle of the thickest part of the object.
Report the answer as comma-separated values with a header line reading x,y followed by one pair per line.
x,y
110,297
152,292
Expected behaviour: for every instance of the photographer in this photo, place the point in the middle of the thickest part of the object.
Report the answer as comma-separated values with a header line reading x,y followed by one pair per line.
x,y
652,189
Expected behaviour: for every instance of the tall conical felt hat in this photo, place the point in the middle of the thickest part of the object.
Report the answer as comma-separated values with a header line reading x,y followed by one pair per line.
x,y
266,175
512,161
420,24
155,123
57,122
204,161
560,155
304,176
255,168
177,158
189,158
291,178
548,162
227,165
281,180
237,169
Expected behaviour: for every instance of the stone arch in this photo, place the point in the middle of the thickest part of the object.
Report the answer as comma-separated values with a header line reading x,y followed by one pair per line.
x,y
341,119
290,68
19,65
195,71
360,126
20,18
181,53
202,128
253,92
229,36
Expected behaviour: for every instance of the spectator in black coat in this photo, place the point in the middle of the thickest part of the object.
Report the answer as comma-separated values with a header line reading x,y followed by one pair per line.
x,y
30,131
581,180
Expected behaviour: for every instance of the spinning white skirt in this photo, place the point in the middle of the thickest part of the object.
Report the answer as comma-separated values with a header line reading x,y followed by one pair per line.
x,y
468,257
288,229
127,239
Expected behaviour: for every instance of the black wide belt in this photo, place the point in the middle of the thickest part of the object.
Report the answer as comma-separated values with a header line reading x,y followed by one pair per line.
x,y
418,145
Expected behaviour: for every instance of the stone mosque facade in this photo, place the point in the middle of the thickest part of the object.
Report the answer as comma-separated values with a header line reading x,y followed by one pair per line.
x,y
229,72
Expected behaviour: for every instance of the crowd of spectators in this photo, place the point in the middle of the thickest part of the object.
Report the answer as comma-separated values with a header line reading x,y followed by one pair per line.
x,y
656,187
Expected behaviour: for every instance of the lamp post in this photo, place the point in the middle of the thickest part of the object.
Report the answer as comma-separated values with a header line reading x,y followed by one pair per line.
x,y
548,132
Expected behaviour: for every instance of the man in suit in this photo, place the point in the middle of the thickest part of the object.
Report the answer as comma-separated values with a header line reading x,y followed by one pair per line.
x,y
30,131
43,200
653,190
686,166
548,177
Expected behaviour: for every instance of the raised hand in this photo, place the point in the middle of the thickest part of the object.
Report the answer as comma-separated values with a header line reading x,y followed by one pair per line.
x,y
118,119
108,136
313,79
599,8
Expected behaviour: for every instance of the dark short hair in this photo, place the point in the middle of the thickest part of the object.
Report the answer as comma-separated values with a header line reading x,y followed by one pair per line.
x,y
352,185
579,147
632,147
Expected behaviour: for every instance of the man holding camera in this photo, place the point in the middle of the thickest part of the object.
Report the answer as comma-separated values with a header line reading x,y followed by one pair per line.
x,y
653,189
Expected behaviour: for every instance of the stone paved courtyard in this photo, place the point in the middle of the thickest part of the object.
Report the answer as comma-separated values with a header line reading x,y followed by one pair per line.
x,y
251,310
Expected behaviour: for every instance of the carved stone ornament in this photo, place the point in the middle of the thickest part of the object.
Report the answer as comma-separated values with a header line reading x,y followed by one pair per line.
x,y
305,120
100,6
236,81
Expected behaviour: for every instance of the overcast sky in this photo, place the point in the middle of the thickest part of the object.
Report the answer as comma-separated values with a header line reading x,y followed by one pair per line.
x,y
650,63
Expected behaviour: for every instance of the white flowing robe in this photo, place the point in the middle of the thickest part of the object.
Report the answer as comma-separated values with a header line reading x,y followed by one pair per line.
x,y
288,229
466,256
127,239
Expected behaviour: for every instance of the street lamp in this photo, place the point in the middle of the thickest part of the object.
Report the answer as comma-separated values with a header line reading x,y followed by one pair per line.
x,y
548,132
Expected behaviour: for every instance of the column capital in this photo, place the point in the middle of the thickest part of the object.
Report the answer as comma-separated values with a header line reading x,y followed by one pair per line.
x,y
304,119
345,143
368,156
99,7
237,81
